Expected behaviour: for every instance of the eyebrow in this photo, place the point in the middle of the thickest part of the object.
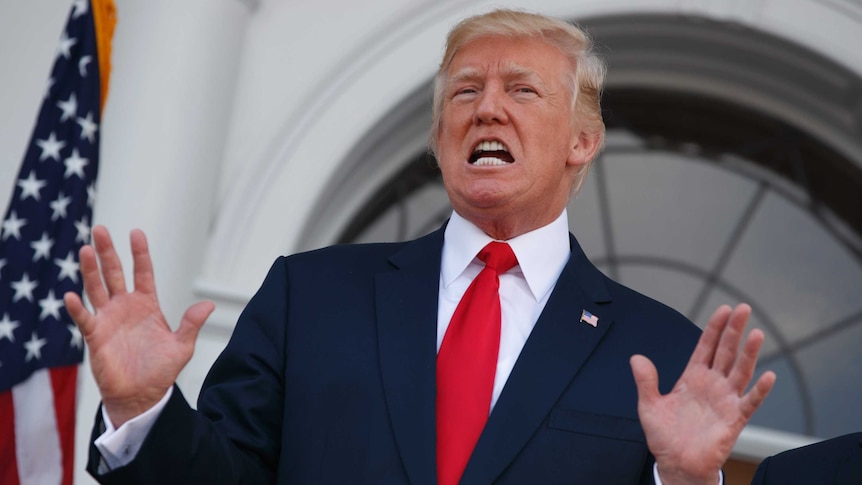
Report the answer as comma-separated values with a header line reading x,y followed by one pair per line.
x,y
465,74
512,70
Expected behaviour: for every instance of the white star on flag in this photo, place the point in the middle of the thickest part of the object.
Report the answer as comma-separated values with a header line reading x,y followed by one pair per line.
x,y
82,65
31,186
23,288
88,127
77,339
50,147
68,267
75,164
80,8
83,231
7,328
65,47
51,306
59,206
42,247
34,347
69,108
12,226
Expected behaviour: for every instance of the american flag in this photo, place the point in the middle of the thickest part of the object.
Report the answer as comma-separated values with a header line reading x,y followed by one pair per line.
x,y
46,223
589,318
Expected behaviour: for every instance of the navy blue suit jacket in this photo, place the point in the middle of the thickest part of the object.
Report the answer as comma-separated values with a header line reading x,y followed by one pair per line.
x,y
836,461
329,378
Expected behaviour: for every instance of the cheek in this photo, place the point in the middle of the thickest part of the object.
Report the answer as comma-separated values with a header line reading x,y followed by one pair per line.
x,y
557,143
456,117
446,134
447,165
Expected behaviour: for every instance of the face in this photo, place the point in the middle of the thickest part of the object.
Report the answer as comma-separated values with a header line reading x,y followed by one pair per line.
x,y
507,146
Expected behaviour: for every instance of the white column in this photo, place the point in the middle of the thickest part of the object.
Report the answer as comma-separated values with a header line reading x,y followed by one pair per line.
x,y
171,94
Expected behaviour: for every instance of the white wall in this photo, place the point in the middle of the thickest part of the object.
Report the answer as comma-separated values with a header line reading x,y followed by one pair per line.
x,y
226,118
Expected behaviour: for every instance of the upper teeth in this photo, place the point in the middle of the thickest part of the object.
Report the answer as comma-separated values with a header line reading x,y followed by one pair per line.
x,y
490,146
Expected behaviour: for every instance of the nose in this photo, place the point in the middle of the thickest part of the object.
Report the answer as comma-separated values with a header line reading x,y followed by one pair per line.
x,y
491,106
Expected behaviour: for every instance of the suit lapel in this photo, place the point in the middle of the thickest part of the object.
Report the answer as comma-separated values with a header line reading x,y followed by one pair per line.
x,y
557,348
407,336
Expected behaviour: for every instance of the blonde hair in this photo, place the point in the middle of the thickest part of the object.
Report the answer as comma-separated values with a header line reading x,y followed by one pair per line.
x,y
585,81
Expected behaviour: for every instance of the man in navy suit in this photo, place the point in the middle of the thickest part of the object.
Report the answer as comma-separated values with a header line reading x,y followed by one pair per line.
x,y
836,461
332,374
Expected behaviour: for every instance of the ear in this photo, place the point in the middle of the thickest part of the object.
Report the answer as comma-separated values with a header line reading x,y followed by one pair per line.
x,y
584,148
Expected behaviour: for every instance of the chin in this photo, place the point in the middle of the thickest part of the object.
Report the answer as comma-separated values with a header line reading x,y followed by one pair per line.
x,y
485,200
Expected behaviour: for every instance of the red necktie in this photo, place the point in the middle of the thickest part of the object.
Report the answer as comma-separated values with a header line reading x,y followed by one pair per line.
x,y
467,363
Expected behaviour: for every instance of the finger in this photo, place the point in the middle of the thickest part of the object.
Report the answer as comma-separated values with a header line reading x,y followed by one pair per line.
x,y
143,264
704,352
91,278
79,313
192,321
646,379
742,372
731,337
112,269
754,398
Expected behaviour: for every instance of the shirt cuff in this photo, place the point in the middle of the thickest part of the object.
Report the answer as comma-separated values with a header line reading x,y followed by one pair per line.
x,y
658,479
119,446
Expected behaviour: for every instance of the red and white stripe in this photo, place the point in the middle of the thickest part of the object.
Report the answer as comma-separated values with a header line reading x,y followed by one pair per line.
x,y
39,413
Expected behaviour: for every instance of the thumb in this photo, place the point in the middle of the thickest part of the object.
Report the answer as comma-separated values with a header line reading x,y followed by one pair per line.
x,y
646,378
192,321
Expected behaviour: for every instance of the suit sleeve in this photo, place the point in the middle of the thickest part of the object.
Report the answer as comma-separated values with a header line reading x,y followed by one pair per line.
x,y
760,473
235,435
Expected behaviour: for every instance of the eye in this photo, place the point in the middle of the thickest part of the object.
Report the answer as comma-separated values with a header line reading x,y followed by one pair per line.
x,y
461,94
526,90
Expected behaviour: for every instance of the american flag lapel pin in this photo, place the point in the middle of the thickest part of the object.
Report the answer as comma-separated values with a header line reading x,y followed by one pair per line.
x,y
589,318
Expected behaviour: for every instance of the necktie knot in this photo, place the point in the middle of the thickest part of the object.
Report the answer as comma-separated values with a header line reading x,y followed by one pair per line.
x,y
498,256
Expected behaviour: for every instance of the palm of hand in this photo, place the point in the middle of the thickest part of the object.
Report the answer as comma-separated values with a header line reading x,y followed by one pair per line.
x,y
697,423
132,348
692,430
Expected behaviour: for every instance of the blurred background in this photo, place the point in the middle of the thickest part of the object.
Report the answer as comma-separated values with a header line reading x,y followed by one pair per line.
x,y
239,130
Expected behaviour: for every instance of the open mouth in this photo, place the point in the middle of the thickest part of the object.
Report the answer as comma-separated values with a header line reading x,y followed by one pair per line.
x,y
491,153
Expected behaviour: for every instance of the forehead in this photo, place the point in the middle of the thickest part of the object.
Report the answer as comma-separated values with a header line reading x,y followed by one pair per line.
x,y
511,56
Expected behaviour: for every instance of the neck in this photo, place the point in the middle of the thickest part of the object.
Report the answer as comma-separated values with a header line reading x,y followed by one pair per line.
x,y
505,228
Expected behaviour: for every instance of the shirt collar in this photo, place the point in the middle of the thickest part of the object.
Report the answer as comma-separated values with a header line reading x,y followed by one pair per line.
x,y
542,253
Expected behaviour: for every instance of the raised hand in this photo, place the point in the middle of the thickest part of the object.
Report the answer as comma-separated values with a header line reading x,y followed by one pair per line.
x,y
134,354
692,430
